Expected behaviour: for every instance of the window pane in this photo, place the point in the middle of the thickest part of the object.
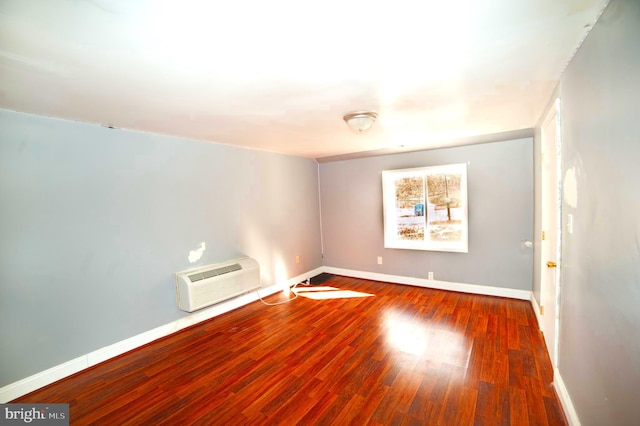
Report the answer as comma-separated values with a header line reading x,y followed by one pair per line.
x,y
444,211
410,208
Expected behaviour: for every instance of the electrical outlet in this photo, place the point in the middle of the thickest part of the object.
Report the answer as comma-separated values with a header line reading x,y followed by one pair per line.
x,y
297,259
430,275
379,260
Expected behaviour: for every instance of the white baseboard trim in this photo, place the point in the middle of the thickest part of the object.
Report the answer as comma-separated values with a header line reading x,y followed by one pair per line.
x,y
536,310
563,394
440,285
565,399
53,374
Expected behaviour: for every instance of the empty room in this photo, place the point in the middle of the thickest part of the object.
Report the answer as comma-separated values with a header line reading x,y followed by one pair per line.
x,y
414,212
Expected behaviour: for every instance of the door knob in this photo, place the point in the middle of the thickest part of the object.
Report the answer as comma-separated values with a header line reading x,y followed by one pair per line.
x,y
551,264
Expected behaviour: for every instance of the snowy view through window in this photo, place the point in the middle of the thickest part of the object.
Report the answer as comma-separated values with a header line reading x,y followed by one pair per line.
x,y
425,208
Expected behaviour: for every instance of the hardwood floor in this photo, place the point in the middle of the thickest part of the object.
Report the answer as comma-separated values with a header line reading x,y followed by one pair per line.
x,y
405,356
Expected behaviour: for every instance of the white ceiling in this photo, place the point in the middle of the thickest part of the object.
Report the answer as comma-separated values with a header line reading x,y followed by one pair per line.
x,y
279,75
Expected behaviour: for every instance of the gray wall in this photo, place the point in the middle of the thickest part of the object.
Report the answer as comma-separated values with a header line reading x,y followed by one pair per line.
x,y
94,222
599,352
500,195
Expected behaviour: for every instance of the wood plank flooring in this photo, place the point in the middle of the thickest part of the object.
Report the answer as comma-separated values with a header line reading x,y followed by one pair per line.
x,y
404,356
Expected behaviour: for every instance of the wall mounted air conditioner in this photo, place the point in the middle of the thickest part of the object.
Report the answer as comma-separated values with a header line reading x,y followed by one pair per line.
x,y
201,287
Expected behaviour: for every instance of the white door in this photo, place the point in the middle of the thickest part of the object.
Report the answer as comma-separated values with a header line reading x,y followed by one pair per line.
x,y
549,272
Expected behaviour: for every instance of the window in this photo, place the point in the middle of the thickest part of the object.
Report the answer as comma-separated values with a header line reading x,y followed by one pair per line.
x,y
425,208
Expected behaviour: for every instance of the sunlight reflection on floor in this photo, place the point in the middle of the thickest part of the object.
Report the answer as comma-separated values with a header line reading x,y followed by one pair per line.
x,y
314,288
325,292
419,338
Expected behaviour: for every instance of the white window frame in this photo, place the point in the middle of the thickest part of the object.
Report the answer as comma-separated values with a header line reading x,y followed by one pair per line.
x,y
392,218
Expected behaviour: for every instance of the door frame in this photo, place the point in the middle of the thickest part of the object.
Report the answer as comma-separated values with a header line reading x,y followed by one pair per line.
x,y
551,232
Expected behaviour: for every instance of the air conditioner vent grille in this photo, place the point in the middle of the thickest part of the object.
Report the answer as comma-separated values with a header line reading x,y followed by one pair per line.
x,y
214,272
211,284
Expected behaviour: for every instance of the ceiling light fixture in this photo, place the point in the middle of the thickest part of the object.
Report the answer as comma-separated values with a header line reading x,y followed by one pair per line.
x,y
360,121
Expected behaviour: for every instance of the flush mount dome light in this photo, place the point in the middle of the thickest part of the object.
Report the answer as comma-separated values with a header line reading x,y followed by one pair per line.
x,y
360,121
